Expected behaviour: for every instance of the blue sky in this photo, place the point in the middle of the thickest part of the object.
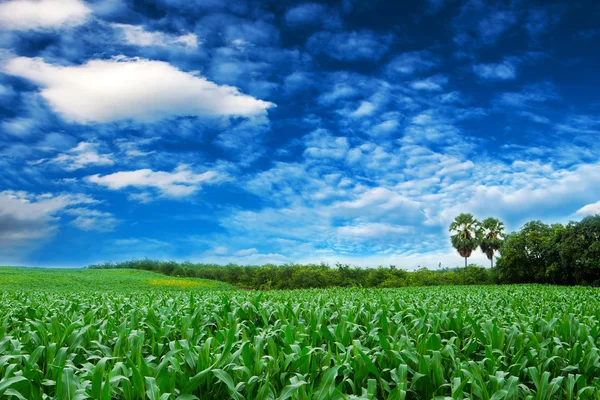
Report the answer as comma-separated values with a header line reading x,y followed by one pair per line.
x,y
280,131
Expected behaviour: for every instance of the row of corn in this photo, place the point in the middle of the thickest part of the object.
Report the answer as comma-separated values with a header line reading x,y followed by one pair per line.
x,y
509,342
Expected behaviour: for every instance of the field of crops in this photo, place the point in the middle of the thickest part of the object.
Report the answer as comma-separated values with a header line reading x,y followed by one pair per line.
x,y
505,342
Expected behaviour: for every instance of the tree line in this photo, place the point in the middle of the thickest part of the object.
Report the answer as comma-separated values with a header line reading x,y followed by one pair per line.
x,y
558,254
537,253
298,276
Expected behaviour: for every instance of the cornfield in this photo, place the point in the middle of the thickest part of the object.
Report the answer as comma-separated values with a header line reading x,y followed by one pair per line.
x,y
508,342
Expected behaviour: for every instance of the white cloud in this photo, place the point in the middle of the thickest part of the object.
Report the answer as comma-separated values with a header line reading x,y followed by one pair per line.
x,y
411,62
305,14
27,218
340,91
124,88
379,204
453,166
93,220
19,126
590,209
132,148
433,83
350,46
373,230
581,124
138,36
179,183
246,252
322,145
365,108
525,191
530,94
25,15
385,127
540,119
220,250
284,181
501,71
84,154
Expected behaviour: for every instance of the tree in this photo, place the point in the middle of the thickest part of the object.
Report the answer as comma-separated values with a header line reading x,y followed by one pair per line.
x,y
588,230
527,255
493,234
467,234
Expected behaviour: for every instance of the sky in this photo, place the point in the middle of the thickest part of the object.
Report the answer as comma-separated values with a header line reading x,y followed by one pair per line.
x,y
280,132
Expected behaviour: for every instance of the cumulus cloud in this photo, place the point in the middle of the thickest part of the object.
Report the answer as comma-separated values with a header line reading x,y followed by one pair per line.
x,y
311,14
373,230
322,145
411,62
82,155
27,217
138,36
19,126
133,148
364,109
340,91
380,204
495,24
385,127
371,219
530,94
500,71
304,14
181,182
590,209
246,252
137,89
581,124
482,22
92,220
433,83
350,46
529,190
539,119
23,15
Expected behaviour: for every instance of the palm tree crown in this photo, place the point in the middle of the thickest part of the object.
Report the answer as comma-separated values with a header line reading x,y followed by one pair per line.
x,y
467,234
492,237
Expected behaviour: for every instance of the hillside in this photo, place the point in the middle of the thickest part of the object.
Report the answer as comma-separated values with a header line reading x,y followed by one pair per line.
x,y
59,279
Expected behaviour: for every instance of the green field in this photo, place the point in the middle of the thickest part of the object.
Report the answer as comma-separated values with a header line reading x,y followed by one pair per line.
x,y
63,279
477,342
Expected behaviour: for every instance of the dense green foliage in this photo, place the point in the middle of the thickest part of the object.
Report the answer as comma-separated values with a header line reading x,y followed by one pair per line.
x,y
494,342
62,279
559,254
296,276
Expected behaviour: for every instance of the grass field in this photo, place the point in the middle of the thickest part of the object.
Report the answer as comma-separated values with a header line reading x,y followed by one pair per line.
x,y
166,342
63,279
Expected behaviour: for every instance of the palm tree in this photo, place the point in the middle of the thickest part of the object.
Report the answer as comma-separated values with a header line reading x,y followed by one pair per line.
x,y
467,234
493,235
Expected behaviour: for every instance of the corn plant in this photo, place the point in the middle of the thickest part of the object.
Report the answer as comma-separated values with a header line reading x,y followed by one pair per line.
x,y
507,342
